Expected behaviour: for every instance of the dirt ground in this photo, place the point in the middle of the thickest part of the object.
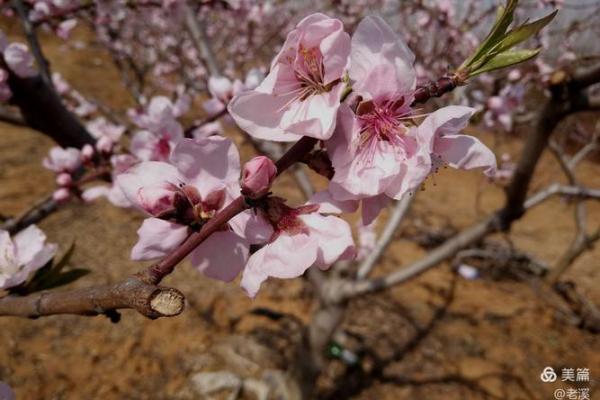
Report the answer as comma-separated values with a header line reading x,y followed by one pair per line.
x,y
477,339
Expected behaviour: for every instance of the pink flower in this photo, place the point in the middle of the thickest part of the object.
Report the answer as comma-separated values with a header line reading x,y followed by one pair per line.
x,y
100,127
25,253
302,238
222,90
19,59
377,151
62,160
201,179
161,131
113,193
257,176
301,94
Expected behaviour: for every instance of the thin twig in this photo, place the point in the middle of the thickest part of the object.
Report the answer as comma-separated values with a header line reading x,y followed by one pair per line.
x,y
400,209
35,214
199,39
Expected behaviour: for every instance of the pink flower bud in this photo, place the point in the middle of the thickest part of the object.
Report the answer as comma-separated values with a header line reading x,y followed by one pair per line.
x,y
104,145
64,179
257,177
61,195
87,152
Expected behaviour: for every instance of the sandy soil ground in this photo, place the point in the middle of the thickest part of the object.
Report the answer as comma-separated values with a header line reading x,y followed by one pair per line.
x,y
492,339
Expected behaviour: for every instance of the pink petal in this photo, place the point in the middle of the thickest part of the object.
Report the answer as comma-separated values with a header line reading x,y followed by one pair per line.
x,y
334,238
372,206
375,44
260,114
222,256
315,116
465,152
362,178
445,121
157,238
148,185
252,226
28,243
94,193
287,257
329,205
207,163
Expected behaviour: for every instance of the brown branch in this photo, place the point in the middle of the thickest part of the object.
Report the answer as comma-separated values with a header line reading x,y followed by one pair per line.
x,y
150,301
11,118
43,111
32,216
199,39
566,98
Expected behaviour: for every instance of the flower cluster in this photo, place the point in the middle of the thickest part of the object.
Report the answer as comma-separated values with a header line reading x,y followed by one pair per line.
x,y
377,148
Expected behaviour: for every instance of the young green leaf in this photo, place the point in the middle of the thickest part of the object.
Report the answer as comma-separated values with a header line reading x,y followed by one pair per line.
x,y
524,32
505,59
503,20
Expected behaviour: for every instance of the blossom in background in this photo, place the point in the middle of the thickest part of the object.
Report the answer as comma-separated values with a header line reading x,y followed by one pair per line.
x,y
161,131
501,108
62,159
302,238
113,193
222,90
377,150
100,127
19,60
301,94
23,254
201,178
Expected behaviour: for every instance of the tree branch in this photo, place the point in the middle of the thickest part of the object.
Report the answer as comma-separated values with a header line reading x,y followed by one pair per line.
x,y
199,39
400,210
35,214
34,44
150,301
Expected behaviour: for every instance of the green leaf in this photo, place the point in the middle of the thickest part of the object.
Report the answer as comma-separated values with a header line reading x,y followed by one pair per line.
x,y
505,59
524,32
503,20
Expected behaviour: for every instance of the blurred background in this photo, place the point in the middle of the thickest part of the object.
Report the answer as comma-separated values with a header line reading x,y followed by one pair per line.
x,y
471,328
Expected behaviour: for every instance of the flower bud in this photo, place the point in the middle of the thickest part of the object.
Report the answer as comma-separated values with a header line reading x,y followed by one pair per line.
x,y
257,176
104,145
87,152
61,195
64,179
